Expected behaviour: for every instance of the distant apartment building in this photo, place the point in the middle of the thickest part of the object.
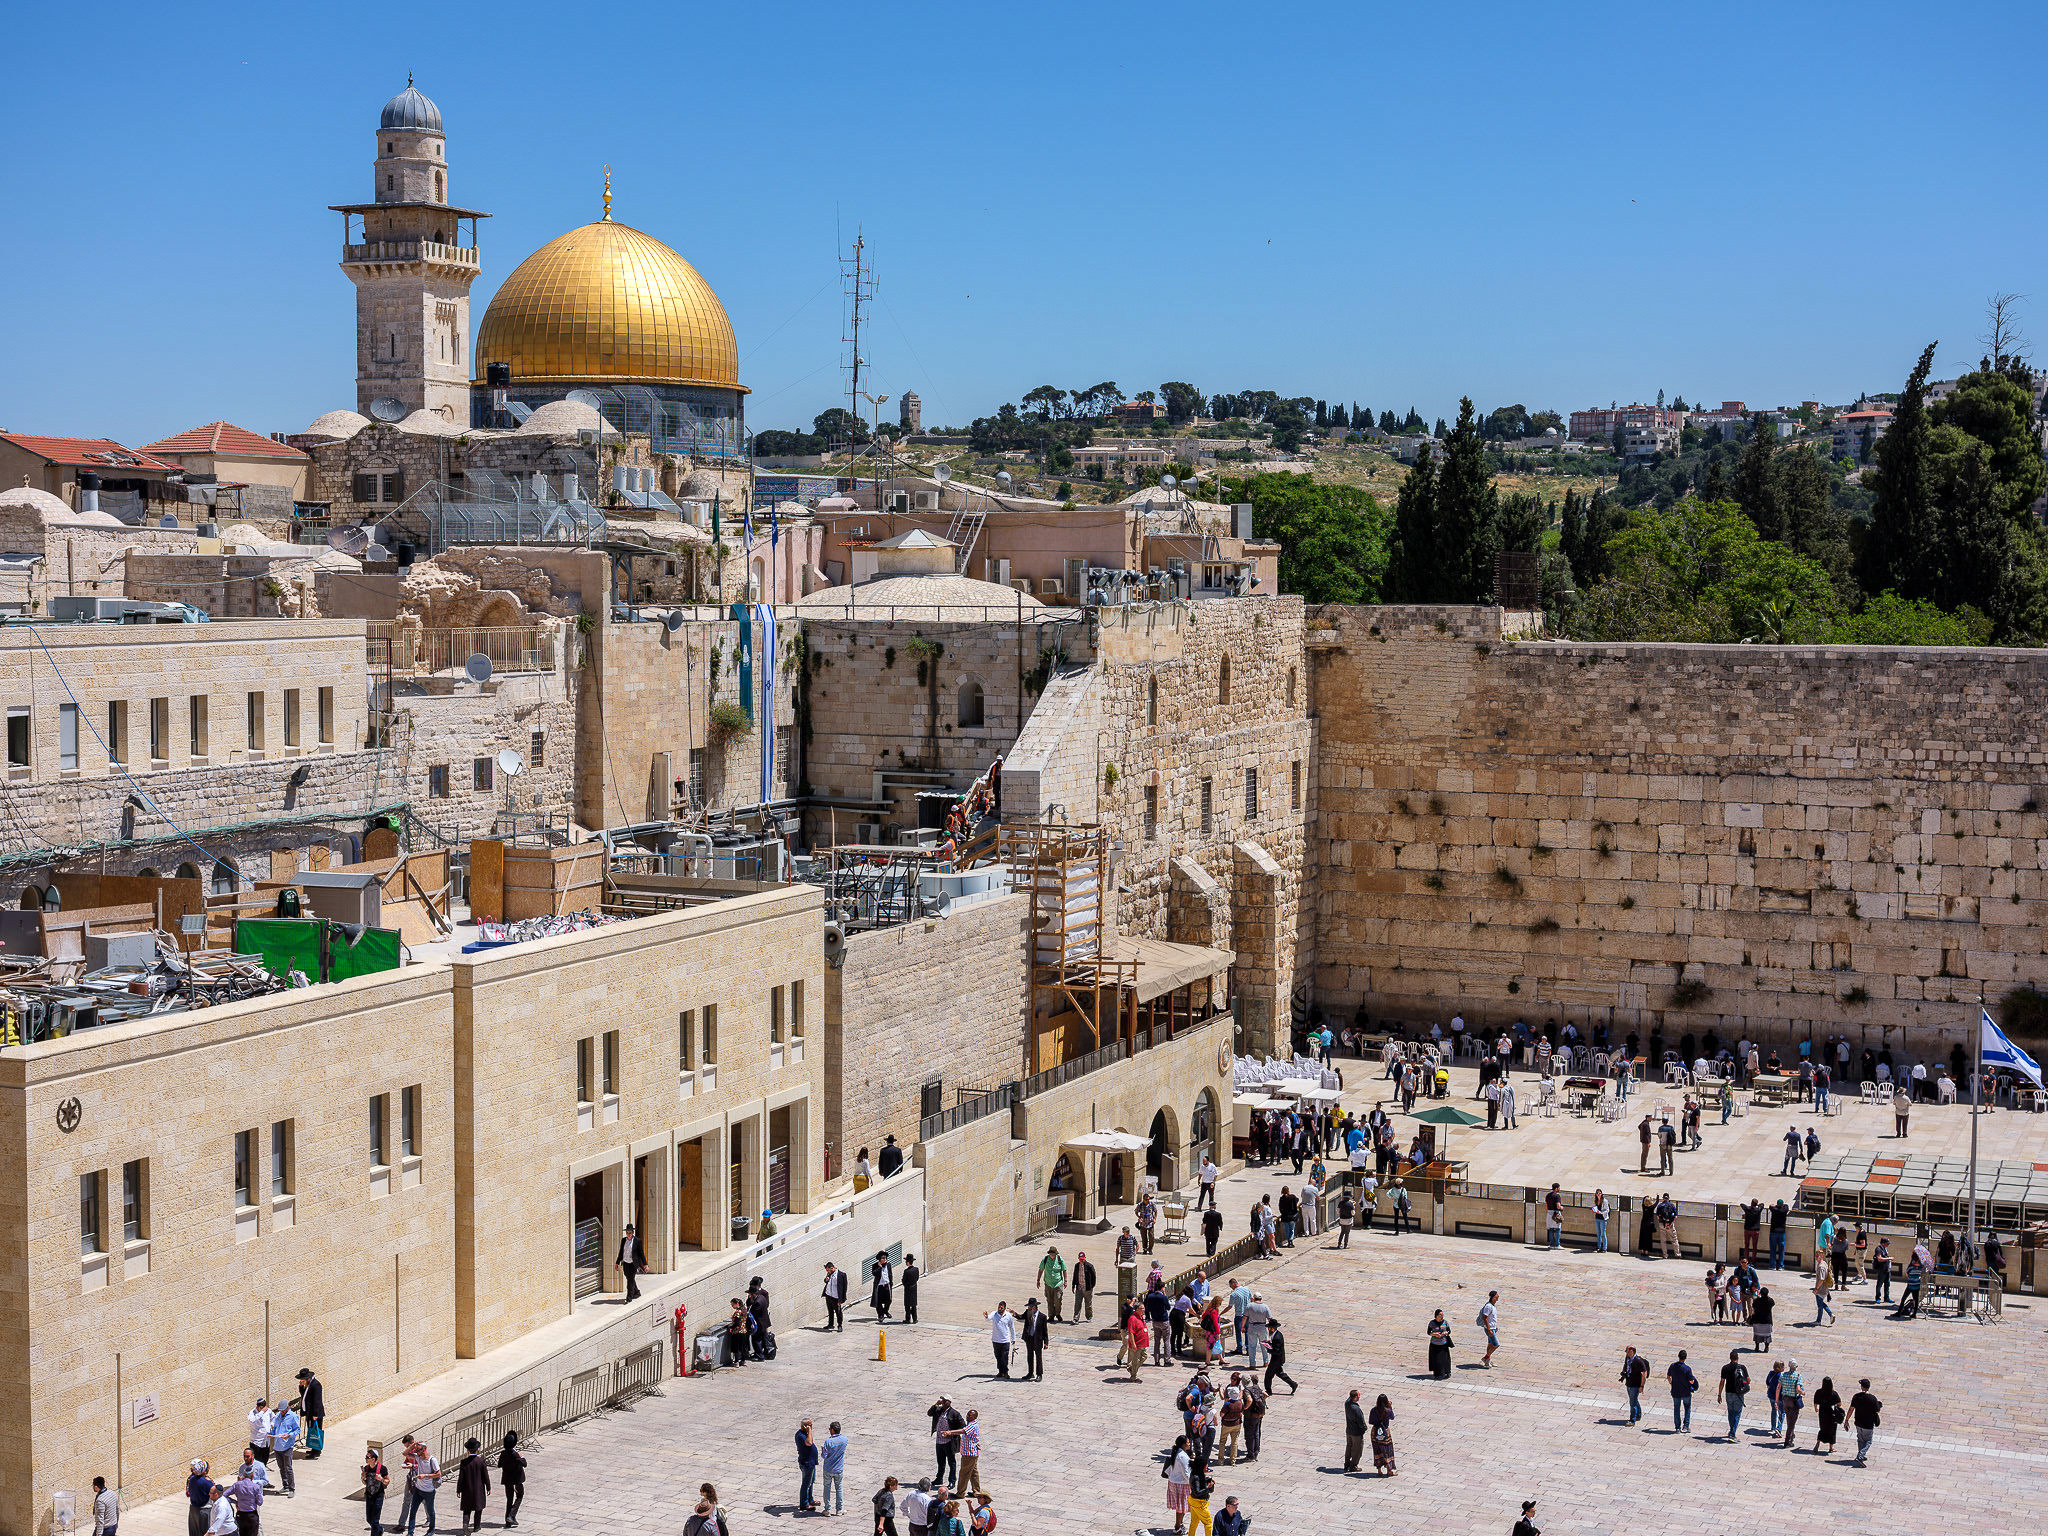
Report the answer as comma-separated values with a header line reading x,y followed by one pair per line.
x,y
1138,413
1121,461
1647,442
1597,423
1732,413
1852,427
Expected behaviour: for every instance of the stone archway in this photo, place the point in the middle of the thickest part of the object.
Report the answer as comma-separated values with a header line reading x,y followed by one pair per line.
x,y
1163,1151
1203,1124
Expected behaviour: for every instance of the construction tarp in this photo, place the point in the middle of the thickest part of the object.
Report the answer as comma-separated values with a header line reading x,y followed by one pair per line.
x,y
1165,967
321,950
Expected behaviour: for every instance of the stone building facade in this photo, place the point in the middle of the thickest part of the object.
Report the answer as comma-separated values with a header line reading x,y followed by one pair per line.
x,y
1782,842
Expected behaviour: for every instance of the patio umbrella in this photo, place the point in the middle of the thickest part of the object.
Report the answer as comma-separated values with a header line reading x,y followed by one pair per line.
x,y
1446,1115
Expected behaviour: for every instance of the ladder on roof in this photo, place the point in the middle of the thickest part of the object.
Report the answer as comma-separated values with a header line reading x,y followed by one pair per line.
x,y
963,530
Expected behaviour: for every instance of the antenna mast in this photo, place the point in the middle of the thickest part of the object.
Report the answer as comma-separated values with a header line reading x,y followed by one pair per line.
x,y
857,282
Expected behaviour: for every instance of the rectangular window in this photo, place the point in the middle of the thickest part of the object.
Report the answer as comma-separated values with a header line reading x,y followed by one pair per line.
x,y
796,1010
1251,794
380,1107
90,1239
159,730
1294,785
536,750
710,1034
245,1167
196,725
1208,819
409,1122
696,775
437,782
280,1158
583,1070
686,1039
480,773
135,1201
255,708
611,1062
291,717
775,1015
1151,813
67,736
17,737
327,717
117,731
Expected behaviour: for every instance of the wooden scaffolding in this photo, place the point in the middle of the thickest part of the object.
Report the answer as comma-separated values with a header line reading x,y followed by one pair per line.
x,y
1077,986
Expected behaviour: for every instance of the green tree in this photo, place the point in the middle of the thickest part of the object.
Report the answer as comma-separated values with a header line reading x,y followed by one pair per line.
x,y
1466,506
1183,401
1700,572
1754,490
1802,491
1892,620
1290,422
1897,550
1412,575
839,425
1333,538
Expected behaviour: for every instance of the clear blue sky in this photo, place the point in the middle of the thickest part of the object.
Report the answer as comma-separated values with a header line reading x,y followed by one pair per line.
x,y
1558,206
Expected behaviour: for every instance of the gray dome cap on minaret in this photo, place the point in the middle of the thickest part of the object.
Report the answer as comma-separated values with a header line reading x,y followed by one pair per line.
x,y
410,110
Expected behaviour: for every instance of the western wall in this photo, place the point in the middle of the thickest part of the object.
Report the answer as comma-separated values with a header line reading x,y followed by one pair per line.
x,y
1770,841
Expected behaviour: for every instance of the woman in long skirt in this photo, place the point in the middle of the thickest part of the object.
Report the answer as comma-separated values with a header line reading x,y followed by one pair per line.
x,y
1177,1475
1439,1347
1382,1421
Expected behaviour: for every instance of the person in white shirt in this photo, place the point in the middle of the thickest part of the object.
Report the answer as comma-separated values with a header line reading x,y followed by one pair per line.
x,y
220,1514
913,1504
1919,1079
106,1508
260,1420
1002,1333
1208,1175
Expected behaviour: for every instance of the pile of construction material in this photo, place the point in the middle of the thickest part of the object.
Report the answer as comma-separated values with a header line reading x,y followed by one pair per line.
x,y
490,934
46,998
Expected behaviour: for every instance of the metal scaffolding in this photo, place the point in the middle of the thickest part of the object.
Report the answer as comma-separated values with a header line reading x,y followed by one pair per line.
x,y
1065,871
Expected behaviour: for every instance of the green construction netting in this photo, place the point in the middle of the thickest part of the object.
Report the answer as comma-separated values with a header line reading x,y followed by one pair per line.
x,y
376,950
285,943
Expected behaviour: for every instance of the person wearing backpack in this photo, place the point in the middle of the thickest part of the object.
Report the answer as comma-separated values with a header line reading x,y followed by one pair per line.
x,y
1683,1384
1635,1371
1733,1391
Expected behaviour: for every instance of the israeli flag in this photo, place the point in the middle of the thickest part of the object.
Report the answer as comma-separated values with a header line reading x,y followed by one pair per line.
x,y
2001,1052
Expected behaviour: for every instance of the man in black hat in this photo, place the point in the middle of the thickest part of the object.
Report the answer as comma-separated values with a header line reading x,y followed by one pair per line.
x,y
632,1260
892,1157
313,1409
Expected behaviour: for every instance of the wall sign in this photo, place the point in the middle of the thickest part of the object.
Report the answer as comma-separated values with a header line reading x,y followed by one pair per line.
x,y
144,1411
69,1113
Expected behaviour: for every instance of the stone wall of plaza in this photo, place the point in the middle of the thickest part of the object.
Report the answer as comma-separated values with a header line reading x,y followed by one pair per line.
x,y
943,1000
982,1178
215,1301
878,706
235,800
651,708
1155,709
1827,840
661,1137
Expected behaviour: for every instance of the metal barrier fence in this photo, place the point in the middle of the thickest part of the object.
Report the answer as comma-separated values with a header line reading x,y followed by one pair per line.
x,y
582,1394
410,652
521,1414
636,1374
967,1111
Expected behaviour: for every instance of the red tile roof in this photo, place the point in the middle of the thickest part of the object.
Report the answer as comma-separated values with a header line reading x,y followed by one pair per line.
x,y
225,437
86,452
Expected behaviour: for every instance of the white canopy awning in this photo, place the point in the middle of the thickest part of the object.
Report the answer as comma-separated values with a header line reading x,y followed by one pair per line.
x,y
1324,1095
1259,1101
1107,1141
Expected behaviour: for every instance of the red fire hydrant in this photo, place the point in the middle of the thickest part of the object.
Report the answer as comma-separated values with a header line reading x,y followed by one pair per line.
x,y
682,1342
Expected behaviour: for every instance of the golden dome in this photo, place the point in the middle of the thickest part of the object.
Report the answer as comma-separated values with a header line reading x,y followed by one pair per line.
x,y
609,304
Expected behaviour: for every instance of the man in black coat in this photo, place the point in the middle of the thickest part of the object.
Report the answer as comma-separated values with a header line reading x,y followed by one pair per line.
x,y
1212,1228
632,1261
313,1409
1035,1332
911,1275
1083,1280
1354,1431
835,1299
892,1157
764,1325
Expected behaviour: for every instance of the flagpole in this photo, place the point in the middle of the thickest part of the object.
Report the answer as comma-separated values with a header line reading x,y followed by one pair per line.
x,y
1976,1085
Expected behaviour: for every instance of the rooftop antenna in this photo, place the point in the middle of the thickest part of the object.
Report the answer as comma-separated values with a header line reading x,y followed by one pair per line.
x,y
857,282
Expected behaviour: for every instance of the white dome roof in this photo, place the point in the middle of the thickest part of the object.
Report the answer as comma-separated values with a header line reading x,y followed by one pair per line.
x,y
566,418
341,424
424,423
28,498
919,597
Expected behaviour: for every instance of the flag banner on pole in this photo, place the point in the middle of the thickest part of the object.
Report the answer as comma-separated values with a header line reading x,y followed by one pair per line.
x,y
2001,1052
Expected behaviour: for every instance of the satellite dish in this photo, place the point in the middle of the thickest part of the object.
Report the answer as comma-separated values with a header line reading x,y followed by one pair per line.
x,y
1003,476
943,473
388,408
349,541
672,620
478,668
511,764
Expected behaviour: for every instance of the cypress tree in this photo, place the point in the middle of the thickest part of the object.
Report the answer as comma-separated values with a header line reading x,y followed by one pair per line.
x,y
1898,552
1572,537
1411,563
1466,506
1753,489
1600,527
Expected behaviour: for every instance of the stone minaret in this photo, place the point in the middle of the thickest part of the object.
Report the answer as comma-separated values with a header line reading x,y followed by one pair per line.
x,y
910,412
412,270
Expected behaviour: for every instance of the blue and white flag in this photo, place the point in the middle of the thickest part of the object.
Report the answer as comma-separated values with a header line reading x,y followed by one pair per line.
x,y
2001,1052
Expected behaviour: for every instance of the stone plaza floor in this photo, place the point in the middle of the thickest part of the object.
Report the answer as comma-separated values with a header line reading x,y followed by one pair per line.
x,y
1960,1447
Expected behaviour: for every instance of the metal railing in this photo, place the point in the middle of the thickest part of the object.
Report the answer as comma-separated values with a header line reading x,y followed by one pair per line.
x,y
1067,1071
967,1111
583,1394
489,1425
422,652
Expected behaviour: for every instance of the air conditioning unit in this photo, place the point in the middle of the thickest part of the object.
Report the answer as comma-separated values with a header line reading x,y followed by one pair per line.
x,y
1023,584
1052,586
926,501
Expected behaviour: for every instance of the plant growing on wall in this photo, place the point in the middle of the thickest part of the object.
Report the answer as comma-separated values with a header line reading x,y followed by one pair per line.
x,y
1050,659
728,722
1109,775
1690,990
717,662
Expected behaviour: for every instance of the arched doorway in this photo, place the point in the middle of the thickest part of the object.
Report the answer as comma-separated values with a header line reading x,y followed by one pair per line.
x,y
1202,1128
1163,1150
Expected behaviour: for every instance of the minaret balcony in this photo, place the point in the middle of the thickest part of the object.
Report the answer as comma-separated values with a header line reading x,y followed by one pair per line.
x,y
377,252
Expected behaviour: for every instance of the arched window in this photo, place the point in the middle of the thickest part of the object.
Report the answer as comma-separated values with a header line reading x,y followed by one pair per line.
x,y
31,898
1223,682
1290,687
970,705
226,878
188,871
438,192
147,873
1151,701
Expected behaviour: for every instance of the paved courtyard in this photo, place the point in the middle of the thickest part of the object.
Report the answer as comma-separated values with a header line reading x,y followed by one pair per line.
x,y
1960,1447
